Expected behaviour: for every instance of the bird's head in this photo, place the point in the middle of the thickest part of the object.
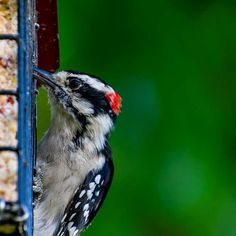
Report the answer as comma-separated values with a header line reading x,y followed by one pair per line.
x,y
80,95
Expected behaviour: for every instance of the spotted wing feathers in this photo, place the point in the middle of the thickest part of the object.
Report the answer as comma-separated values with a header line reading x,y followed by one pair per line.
x,y
86,202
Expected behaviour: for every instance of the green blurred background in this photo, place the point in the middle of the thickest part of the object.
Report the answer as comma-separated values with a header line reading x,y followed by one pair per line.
x,y
174,149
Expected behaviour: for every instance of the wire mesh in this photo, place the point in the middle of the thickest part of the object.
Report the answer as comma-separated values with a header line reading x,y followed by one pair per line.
x,y
17,100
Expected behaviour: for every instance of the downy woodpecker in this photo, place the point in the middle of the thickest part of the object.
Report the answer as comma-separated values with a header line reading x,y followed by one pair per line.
x,y
74,163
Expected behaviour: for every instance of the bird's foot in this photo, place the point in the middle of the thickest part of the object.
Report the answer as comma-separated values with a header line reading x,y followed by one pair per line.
x,y
37,185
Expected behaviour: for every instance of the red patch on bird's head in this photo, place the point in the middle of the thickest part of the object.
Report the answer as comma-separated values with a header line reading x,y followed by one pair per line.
x,y
115,102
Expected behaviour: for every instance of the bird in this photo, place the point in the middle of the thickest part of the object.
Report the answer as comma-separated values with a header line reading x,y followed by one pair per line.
x,y
74,166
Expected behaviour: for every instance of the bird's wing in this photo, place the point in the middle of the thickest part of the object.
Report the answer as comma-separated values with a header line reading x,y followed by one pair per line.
x,y
87,200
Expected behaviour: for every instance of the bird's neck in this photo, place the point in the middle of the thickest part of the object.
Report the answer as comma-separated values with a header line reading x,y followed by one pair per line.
x,y
90,136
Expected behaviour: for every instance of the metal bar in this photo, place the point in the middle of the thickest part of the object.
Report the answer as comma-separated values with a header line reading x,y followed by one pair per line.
x,y
25,128
9,37
6,148
9,92
26,105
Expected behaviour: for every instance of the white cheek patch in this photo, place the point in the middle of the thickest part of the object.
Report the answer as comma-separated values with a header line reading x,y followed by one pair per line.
x,y
83,106
101,124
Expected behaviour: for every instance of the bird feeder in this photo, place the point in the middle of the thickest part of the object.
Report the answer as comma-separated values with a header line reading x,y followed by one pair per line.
x,y
22,22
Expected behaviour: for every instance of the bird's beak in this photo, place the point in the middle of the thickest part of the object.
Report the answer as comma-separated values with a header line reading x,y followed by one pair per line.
x,y
45,77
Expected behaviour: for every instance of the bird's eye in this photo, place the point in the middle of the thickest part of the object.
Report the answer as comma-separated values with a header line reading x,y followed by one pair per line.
x,y
75,83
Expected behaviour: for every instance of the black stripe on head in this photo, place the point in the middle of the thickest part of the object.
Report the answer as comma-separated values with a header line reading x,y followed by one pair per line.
x,y
95,97
98,99
74,72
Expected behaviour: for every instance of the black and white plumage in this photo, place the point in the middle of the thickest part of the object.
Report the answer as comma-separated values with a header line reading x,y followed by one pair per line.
x,y
87,200
74,158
